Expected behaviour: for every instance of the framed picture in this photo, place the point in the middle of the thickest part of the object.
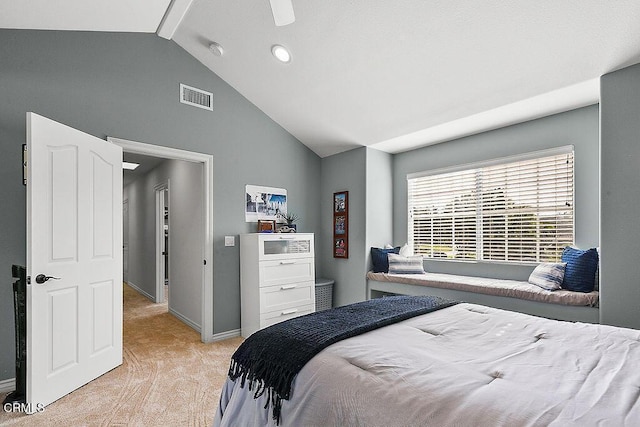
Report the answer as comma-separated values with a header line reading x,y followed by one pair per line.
x,y
339,248
341,224
266,226
340,201
265,203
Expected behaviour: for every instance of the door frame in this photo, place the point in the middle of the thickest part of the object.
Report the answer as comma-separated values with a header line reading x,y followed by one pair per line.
x,y
125,240
206,323
161,200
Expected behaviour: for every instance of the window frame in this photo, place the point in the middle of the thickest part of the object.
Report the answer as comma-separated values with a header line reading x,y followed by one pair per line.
x,y
539,154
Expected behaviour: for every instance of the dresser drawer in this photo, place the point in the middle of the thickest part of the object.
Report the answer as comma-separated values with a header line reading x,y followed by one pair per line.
x,y
268,319
280,297
280,246
286,271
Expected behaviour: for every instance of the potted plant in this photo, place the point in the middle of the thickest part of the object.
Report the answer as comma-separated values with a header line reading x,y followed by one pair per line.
x,y
290,218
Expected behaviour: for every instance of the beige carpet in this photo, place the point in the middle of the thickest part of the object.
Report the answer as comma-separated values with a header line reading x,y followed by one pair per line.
x,y
168,378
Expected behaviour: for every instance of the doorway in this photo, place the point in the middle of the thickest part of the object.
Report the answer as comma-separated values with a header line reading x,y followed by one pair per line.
x,y
206,271
125,240
162,242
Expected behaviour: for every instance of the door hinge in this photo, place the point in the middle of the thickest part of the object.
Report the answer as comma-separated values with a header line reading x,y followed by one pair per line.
x,y
28,280
24,164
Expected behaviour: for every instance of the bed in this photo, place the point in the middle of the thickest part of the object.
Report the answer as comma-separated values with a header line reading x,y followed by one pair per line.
x,y
463,365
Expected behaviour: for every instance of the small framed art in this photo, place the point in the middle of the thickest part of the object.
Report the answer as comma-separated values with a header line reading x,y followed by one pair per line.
x,y
341,224
266,226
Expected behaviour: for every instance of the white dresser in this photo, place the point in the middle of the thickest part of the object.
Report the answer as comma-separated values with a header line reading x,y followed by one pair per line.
x,y
277,278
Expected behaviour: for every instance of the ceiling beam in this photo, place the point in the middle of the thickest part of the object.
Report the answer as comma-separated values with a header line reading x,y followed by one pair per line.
x,y
172,19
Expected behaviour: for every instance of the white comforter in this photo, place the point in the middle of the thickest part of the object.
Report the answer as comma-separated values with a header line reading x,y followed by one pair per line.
x,y
466,365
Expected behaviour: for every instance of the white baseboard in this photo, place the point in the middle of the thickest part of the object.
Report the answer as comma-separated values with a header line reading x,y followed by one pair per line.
x,y
226,335
188,322
7,385
141,291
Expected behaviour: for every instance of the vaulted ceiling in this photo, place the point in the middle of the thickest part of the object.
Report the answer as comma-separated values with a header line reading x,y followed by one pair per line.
x,y
393,75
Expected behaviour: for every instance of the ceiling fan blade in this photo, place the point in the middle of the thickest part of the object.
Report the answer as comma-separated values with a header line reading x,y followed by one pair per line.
x,y
282,12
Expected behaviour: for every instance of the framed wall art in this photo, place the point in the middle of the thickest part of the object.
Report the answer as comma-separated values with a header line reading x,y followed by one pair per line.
x,y
266,226
265,203
341,224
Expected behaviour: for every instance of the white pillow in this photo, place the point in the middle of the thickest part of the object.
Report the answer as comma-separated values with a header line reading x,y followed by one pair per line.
x,y
548,275
399,264
405,250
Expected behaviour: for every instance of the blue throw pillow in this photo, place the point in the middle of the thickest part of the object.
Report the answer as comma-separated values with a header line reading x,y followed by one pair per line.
x,y
379,258
580,272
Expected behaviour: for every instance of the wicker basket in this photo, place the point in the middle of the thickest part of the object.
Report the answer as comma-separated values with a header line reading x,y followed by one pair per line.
x,y
324,294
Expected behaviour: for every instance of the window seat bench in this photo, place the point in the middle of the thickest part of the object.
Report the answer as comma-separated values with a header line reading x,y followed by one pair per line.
x,y
506,294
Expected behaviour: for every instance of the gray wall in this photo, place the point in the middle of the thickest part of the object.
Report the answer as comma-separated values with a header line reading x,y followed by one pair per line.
x,y
578,128
367,175
378,193
344,172
186,239
186,231
379,214
141,258
126,86
620,206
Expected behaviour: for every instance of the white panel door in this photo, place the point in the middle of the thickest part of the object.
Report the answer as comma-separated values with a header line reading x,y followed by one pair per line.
x,y
74,259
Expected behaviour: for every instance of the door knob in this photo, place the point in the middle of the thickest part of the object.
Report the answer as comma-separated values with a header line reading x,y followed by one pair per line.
x,y
41,278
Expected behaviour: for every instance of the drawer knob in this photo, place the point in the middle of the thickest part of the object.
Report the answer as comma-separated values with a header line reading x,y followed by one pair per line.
x,y
284,288
291,311
287,262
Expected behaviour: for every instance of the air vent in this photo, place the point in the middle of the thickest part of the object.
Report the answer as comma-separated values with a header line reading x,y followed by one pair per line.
x,y
196,97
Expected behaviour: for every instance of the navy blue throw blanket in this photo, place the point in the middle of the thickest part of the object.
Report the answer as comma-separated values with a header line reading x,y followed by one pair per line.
x,y
271,358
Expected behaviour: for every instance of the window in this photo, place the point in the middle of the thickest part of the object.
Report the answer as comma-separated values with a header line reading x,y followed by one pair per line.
x,y
518,209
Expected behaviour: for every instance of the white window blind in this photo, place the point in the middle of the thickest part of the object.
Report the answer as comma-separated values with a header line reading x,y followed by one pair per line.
x,y
518,210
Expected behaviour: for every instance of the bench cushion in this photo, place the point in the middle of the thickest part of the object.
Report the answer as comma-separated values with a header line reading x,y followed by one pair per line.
x,y
482,285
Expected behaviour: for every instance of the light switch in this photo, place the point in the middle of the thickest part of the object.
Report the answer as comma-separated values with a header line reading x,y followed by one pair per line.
x,y
229,240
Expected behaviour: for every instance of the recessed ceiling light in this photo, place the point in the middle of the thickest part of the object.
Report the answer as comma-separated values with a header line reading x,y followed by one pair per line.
x,y
216,49
129,166
281,53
